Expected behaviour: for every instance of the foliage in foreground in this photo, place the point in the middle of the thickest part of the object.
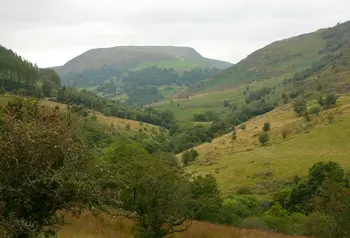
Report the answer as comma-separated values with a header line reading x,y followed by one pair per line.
x,y
44,167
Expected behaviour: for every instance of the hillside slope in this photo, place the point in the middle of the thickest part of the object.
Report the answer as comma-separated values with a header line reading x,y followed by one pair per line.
x,y
308,66
20,75
283,58
244,162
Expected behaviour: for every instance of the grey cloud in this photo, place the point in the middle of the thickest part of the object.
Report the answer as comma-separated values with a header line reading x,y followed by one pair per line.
x,y
50,32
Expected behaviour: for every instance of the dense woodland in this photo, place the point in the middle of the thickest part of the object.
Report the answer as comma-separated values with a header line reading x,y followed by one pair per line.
x,y
141,86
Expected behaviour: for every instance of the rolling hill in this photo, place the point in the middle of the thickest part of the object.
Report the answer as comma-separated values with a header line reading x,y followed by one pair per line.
x,y
111,62
138,74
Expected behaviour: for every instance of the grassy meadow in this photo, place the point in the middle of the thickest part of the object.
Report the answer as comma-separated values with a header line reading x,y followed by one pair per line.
x,y
244,162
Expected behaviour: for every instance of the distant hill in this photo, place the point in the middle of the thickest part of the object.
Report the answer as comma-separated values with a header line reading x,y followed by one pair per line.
x,y
116,60
138,75
282,59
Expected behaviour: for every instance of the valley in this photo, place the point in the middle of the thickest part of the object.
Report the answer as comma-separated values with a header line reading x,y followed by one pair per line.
x,y
151,139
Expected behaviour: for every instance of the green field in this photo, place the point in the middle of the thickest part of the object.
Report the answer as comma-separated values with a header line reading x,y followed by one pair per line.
x,y
245,162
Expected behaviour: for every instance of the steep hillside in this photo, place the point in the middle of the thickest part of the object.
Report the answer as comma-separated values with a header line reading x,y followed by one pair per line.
x,y
308,66
283,58
265,169
21,76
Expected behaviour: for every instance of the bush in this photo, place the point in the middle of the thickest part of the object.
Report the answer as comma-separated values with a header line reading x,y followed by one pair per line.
x,y
284,133
44,167
244,190
331,100
264,138
315,110
267,126
243,127
320,225
189,156
276,210
299,106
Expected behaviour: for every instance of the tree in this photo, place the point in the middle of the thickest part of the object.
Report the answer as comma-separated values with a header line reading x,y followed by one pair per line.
x,y
276,210
44,167
300,197
332,212
264,137
47,88
299,106
189,156
331,100
205,203
266,126
157,196
234,133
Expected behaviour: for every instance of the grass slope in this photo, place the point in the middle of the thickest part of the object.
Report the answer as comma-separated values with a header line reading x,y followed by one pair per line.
x,y
279,59
119,123
107,227
245,162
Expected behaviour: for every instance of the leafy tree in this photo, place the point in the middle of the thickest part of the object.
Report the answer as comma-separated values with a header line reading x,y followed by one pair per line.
x,y
44,168
47,88
189,156
264,137
157,196
205,203
331,100
332,212
300,197
276,210
299,106
267,126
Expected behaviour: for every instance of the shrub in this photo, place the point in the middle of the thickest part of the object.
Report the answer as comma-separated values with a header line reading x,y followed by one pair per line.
x,y
276,210
299,106
264,138
244,190
315,110
189,156
284,133
331,100
243,127
330,117
127,127
267,126
44,167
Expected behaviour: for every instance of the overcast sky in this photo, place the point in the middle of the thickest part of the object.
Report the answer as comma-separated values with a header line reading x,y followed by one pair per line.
x,y
50,32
